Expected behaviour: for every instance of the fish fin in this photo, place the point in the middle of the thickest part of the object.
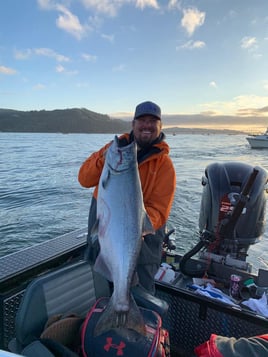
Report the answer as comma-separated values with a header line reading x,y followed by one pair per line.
x,y
94,231
102,268
147,226
129,320
135,319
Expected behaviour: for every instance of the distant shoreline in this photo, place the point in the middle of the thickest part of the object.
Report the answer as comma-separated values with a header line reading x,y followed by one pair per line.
x,y
170,131
179,131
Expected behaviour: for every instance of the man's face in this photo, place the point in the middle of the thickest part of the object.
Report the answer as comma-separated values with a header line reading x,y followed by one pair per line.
x,y
146,129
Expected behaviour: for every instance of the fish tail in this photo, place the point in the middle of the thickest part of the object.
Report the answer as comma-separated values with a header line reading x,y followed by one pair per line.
x,y
107,321
128,320
135,319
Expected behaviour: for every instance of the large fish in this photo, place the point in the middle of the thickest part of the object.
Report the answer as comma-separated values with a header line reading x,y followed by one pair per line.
x,y
121,223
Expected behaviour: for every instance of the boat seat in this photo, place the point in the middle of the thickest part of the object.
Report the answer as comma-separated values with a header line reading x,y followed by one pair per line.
x,y
73,288
36,348
148,301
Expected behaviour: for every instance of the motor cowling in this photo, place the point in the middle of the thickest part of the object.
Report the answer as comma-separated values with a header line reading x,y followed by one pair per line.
x,y
233,207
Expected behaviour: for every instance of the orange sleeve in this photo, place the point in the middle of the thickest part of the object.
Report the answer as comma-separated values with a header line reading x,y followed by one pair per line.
x,y
90,171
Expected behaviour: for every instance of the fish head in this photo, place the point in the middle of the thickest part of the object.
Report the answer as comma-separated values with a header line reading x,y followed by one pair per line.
x,y
121,157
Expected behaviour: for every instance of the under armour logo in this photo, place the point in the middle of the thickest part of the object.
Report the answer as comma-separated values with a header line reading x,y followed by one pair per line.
x,y
110,344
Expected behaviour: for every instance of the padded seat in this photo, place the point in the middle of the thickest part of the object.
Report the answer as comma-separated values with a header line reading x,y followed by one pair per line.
x,y
73,288
148,301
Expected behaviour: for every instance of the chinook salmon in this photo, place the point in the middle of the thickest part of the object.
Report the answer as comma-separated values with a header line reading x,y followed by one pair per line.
x,y
121,223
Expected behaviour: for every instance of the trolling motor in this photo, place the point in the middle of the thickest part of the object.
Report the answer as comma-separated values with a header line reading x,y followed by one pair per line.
x,y
232,214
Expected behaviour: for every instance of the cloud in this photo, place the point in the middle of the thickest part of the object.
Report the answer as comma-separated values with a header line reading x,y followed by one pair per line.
x,y
107,7
242,105
245,101
147,3
89,58
174,4
192,19
23,54
213,84
7,70
119,68
248,42
70,23
209,113
62,69
66,20
45,4
265,85
264,110
39,86
255,112
111,7
109,38
191,45
47,52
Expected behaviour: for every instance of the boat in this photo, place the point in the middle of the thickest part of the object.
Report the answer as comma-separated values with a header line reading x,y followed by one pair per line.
x,y
258,141
53,277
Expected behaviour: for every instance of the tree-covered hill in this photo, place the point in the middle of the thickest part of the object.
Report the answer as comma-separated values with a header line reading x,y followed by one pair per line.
x,y
60,121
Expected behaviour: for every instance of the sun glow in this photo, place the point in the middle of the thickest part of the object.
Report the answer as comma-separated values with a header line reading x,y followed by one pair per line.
x,y
250,129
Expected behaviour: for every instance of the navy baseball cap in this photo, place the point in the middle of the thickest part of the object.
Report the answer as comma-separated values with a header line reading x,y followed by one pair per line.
x,y
147,108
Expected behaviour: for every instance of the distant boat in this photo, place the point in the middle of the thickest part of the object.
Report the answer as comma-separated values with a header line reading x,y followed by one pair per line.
x,y
258,141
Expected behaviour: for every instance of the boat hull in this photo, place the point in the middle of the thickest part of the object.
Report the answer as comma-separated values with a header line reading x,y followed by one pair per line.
x,y
258,143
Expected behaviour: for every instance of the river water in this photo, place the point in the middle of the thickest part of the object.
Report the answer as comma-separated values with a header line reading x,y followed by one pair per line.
x,y
40,197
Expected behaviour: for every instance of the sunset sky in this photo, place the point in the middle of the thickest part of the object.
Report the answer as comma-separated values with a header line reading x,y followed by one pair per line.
x,y
189,56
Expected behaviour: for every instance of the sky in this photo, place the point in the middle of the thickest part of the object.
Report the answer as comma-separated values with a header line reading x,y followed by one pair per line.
x,y
206,57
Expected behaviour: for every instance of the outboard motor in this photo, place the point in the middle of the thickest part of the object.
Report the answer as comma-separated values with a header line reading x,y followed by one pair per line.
x,y
232,213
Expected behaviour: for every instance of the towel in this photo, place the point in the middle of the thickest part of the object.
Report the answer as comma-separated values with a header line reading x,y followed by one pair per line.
x,y
213,293
258,305
165,273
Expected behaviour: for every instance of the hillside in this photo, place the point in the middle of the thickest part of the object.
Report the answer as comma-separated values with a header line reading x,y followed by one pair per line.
x,y
60,121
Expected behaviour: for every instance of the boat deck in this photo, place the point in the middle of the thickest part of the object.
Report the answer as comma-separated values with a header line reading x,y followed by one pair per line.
x,y
191,317
15,264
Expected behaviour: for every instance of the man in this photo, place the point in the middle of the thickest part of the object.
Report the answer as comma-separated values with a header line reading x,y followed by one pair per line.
x,y
221,346
158,183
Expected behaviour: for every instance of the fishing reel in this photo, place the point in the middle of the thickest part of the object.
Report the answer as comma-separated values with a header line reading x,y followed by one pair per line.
x,y
169,242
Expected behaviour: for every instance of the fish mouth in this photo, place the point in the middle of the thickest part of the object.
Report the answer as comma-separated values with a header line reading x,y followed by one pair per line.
x,y
114,170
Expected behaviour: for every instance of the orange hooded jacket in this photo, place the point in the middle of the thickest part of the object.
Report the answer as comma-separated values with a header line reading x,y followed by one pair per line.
x,y
157,175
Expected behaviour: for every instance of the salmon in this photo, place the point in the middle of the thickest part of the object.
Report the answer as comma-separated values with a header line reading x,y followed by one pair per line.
x,y
122,222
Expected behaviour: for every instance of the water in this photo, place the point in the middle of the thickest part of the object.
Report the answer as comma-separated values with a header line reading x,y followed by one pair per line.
x,y
40,197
